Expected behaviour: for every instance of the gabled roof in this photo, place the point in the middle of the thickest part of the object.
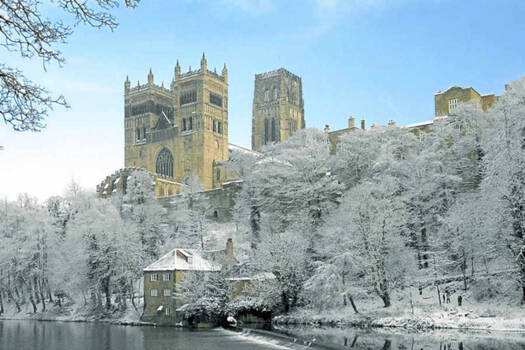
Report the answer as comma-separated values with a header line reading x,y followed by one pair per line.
x,y
184,260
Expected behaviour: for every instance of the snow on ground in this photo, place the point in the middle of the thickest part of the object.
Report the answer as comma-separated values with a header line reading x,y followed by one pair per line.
x,y
501,312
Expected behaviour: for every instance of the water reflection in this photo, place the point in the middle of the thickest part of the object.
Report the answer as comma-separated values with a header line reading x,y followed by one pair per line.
x,y
349,338
33,335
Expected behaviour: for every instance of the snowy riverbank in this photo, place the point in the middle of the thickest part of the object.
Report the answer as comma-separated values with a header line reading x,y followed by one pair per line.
x,y
500,313
75,313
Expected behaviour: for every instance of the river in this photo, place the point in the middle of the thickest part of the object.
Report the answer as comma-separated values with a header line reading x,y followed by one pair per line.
x,y
35,335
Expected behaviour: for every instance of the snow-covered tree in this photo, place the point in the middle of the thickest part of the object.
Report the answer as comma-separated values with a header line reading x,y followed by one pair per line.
x,y
503,186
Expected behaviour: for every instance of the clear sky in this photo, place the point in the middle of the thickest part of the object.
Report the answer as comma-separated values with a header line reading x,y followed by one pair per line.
x,y
374,59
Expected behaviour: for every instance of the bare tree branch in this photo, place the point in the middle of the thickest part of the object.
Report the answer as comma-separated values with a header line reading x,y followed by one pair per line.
x,y
26,31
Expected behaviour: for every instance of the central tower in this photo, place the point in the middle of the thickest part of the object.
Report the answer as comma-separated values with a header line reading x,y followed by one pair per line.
x,y
278,107
178,131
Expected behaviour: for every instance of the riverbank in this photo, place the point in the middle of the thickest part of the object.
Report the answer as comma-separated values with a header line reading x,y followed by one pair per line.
x,y
422,312
74,313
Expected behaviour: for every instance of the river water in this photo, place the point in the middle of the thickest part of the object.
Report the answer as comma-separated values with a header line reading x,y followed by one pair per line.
x,y
35,335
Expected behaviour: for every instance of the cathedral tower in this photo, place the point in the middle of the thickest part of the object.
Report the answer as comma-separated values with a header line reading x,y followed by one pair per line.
x,y
178,131
278,107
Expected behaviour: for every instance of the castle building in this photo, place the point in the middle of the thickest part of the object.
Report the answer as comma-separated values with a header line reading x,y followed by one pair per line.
x,y
178,131
278,107
445,102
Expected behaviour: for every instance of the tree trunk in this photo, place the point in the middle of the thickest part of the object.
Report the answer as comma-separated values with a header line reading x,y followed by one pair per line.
x,y
42,295
353,304
1,302
17,304
439,294
108,294
523,295
31,297
49,294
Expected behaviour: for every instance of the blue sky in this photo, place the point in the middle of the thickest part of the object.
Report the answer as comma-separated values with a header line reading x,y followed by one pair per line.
x,y
374,59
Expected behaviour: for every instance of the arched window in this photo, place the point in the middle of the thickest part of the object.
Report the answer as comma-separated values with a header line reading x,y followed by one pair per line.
x,y
164,165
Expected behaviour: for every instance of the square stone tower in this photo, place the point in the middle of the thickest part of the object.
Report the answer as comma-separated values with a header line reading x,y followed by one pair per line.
x,y
178,131
278,107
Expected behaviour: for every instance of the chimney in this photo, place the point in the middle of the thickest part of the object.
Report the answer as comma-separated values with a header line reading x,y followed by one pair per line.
x,y
327,128
351,122
229,248
363,124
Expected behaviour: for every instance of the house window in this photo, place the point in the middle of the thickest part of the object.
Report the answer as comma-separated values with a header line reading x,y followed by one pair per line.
x,y
154,292
154,277
166,276
452,104
167,292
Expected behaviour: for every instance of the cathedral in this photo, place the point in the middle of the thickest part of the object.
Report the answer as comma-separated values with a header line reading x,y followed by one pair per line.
x,y
176,131
183,130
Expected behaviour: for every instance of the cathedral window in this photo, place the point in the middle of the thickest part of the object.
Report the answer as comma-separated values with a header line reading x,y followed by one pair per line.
x,y
219,127
214,125
164,164
275,94
143,132
266,131
266,96
274,135
188,97
216,99
190,123
218,174
183,124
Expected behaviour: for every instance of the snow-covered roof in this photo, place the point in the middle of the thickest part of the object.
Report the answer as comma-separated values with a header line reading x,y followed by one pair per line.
x,y
416,125
183,259
258,277
455,87
237,148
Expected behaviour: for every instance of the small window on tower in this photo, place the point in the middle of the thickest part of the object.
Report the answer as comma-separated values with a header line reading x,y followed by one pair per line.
x,y
275,93
216,99
214,125
183,124
219,127
218,174
266,96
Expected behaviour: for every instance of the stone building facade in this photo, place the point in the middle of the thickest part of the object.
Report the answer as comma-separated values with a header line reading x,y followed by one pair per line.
x,y
178,131
446,101
278,107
